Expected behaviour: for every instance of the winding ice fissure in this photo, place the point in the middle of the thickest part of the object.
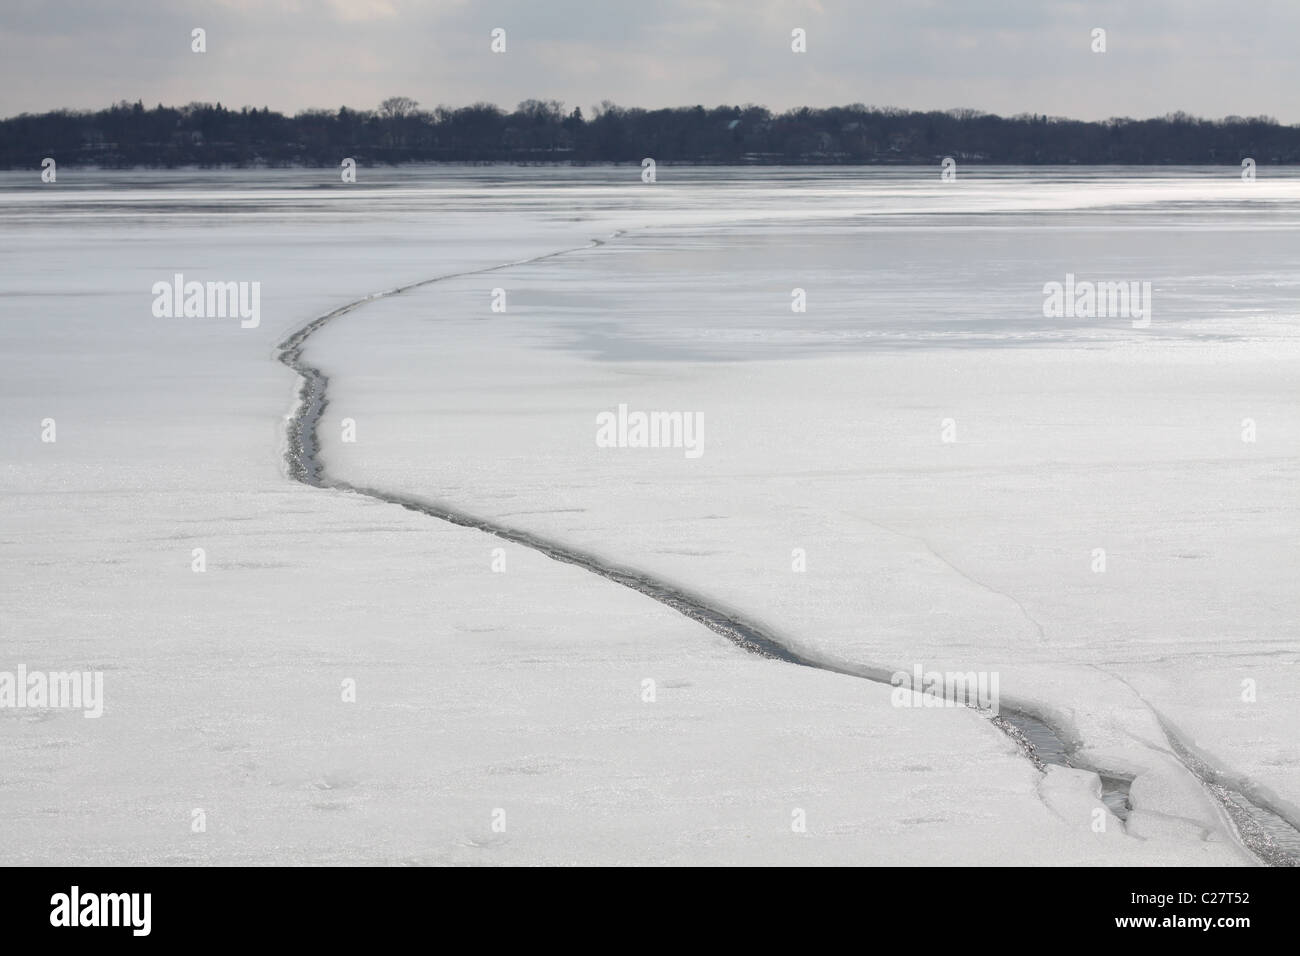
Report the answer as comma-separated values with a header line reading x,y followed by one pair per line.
x,y
1034,736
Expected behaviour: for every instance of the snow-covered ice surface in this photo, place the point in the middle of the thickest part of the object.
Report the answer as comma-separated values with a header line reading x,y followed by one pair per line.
x,y
522,690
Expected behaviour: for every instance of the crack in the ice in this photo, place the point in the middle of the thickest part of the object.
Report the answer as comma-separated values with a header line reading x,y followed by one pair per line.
x,y
1262,825
302,457
1042,635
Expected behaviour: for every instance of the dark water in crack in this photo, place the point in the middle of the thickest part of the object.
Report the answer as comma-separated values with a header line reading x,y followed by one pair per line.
x,y
1265,831
1047,747
1262,827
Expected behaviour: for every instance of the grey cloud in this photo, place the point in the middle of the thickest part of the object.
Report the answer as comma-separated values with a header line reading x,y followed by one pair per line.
x,y
1209,57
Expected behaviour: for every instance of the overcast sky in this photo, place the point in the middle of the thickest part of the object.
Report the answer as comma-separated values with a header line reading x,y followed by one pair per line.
x,y
1207,57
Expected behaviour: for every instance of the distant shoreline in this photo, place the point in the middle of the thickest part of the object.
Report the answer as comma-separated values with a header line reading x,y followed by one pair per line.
x,y
624,164
537,133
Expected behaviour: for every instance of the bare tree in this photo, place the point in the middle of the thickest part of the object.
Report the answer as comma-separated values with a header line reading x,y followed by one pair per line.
x,y
397,107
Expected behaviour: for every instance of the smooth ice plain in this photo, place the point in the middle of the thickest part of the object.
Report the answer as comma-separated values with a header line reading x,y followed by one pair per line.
x,y
943,462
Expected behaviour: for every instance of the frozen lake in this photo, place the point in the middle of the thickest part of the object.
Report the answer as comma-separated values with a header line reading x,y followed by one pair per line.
x,y
904,459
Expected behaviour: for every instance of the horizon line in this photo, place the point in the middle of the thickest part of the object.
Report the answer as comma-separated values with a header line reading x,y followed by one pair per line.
x,y
954,112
